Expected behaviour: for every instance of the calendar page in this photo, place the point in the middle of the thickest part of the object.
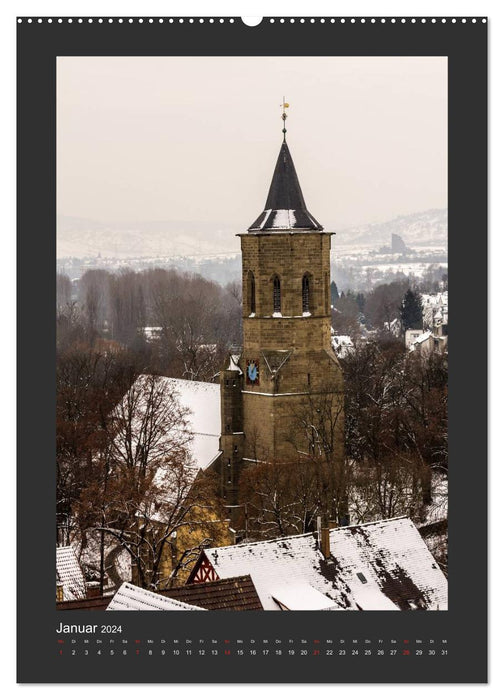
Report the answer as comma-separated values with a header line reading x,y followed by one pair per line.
x,y
248,439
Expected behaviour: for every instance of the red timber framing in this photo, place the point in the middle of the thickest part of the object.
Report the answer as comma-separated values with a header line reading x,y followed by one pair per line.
x,y
203,571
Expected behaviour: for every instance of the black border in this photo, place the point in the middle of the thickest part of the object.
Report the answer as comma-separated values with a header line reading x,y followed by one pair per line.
x,y
464,625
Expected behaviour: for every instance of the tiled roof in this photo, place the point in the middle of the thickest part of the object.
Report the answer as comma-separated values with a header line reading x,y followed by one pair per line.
x,y
373,566
130,597
95,603
285,207
237,593
69,574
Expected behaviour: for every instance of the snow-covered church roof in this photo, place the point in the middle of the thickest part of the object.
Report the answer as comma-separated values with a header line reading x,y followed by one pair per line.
x,y
199,434
383,565
202,400
285,207
204,421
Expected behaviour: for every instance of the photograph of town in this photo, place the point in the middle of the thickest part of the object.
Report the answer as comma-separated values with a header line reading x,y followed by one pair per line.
x,y
252,334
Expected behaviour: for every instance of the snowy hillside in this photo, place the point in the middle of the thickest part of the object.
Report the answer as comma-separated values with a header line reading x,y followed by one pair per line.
x,y
81,238
426,228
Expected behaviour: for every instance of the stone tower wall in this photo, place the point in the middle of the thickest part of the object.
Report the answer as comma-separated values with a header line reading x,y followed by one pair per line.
x,y
232,437
298,369
290,257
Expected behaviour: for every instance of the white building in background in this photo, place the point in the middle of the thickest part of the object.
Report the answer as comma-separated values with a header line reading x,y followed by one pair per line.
x,y
435,305
428,342
434,336
412,335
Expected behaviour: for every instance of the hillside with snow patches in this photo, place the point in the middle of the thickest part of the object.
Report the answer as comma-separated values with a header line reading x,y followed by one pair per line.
x,y
426,228
80,238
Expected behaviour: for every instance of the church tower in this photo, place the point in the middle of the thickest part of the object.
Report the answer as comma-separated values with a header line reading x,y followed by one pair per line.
x,y
283,400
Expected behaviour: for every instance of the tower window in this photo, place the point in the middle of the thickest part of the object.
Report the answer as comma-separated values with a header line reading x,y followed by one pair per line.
x,y
277,299
306,293
252,293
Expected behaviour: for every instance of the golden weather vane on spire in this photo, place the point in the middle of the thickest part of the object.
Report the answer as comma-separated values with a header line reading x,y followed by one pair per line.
x,y
284,106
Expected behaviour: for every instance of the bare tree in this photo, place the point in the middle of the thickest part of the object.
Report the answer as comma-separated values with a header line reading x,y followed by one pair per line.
x,y
63,291
395,428
152,489
93,297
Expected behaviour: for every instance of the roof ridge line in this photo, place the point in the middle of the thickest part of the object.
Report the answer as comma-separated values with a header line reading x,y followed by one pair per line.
x,y
311,533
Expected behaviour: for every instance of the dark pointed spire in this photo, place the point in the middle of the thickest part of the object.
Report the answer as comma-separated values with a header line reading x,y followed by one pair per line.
x,y
285,207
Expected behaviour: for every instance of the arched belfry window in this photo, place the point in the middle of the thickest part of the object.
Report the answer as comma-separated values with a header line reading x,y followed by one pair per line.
x,y
306,293
252,293
277,297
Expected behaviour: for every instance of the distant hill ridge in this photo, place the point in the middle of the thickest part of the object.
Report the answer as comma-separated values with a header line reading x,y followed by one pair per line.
x,y
421,228
78,237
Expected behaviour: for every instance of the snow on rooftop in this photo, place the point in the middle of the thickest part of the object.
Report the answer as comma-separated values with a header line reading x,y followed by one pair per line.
x,y
130,597
117,559
368,596
200,434
284,218
202,399
69,574
301,596
267,212
233,362
342,345
421,338
390,555
343,339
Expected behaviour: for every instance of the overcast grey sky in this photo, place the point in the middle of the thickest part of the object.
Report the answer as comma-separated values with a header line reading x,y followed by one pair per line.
x,y
196,139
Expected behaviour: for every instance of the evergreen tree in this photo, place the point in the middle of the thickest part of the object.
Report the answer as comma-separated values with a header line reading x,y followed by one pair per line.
x,y
412,310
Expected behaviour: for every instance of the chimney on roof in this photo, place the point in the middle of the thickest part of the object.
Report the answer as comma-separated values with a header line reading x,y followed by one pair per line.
x,y
59,592
325,546
93,589
333,524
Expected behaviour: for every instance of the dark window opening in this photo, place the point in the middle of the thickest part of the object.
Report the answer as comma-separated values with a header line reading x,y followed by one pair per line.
x,y
252,294
277,301
309,380
306,293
